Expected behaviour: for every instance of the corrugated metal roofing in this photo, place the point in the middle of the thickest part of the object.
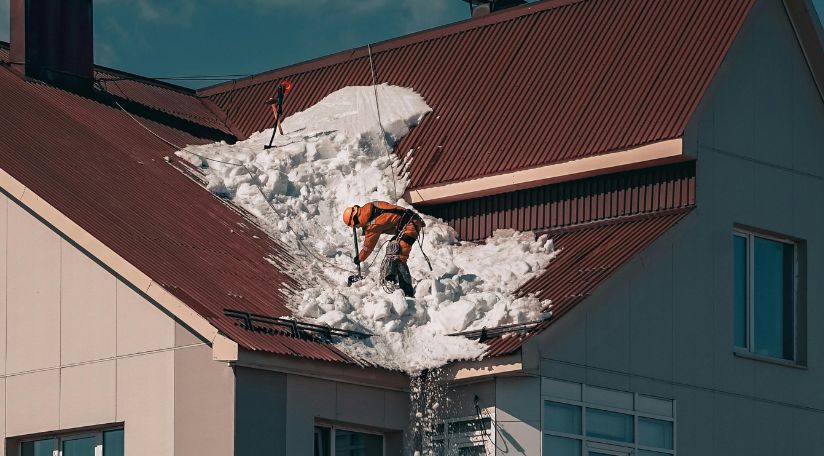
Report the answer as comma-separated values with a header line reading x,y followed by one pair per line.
x,y
98,167
534,85
588,255
173,100
572,203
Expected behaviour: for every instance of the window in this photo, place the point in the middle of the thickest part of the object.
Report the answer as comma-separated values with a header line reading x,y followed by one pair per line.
x,y
465,436
105,443
581,420
765,275
332,440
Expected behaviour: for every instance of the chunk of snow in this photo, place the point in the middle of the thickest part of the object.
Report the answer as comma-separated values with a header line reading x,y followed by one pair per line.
x,y
332,157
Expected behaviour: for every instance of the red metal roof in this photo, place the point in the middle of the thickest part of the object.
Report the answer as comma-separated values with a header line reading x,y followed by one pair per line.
x,y
573,203
588,255
105,172
174,100
534,85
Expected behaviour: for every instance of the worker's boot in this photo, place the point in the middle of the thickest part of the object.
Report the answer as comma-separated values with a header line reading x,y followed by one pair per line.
x,y
404,279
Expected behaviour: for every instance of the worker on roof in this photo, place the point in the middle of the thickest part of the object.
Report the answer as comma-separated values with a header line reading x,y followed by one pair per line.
x,y
377,218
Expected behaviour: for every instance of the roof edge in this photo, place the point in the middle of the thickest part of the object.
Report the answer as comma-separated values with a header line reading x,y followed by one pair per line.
x,y
487,367
108,257
647,155
391,43
810,34
339,372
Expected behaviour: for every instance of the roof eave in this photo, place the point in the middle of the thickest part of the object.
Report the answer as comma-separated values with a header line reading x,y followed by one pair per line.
x,y
647,155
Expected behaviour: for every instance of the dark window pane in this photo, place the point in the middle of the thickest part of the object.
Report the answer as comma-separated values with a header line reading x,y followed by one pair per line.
x,y
740,287
322,442
651,453
113,443
79,447
655,433
602,424
560,446
348,443
38,448
562,418
773,300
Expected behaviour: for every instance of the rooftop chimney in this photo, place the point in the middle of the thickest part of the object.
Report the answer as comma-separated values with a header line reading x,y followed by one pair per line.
x,y
52,41
483,7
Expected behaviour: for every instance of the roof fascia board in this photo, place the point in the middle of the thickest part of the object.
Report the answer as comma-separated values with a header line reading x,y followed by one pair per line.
x,y
488,367
644,156
102,253
392,43
808,30
324,370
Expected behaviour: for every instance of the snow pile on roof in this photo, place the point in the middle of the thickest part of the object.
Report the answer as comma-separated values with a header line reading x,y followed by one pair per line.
x,y
332,157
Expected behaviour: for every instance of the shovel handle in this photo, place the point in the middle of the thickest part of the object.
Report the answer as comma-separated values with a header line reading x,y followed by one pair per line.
x,y
357,249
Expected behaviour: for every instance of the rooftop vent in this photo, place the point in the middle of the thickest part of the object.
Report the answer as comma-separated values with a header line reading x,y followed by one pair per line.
x,y
483,7
52,41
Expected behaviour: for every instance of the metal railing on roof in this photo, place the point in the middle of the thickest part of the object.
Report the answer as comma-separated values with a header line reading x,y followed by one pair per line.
x,y
290,327
485,334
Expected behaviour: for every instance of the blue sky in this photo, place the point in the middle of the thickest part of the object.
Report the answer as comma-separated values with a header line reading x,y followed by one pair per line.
x,y
194,37
188,37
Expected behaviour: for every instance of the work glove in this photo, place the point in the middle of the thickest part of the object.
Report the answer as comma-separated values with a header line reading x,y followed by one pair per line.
x,y
356,259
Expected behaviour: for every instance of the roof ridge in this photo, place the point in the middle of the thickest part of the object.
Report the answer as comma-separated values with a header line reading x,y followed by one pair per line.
x,y
391,43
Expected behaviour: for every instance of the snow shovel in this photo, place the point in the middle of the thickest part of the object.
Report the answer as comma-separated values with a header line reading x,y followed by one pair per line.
x,y
355,278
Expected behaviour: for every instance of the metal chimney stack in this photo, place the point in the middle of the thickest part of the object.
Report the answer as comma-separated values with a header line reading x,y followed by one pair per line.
x,y
52,41
483,7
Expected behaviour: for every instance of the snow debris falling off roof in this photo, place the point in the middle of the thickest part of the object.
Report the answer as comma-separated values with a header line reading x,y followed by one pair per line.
x,y
331,157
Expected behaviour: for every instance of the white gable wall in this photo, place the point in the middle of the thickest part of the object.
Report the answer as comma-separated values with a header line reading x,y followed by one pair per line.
x,y
79,347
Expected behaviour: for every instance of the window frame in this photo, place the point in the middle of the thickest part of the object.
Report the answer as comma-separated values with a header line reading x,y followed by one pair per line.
x,y
471,439
59,438
334,427
603,445
749,235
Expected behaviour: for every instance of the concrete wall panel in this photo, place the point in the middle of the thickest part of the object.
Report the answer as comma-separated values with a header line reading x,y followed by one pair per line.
x,y
88,308
515,399
33,402
308,398
261,414
3,409
396,409
87,394
360,404
184,337
204,403
518,438
4,201
141,326
33,293
145,402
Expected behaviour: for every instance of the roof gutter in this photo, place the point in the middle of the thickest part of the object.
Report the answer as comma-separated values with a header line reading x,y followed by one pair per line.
x,y
640,157
223,348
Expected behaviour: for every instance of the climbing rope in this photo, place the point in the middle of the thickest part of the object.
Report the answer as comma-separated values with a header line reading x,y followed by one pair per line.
x,y
254,180
380,123
387,271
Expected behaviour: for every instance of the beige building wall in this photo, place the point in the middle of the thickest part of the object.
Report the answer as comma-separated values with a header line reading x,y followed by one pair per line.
x,y
81,348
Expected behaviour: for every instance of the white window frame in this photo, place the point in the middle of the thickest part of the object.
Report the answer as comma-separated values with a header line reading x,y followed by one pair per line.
x,y
335,427
603,445
749,236
58,439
